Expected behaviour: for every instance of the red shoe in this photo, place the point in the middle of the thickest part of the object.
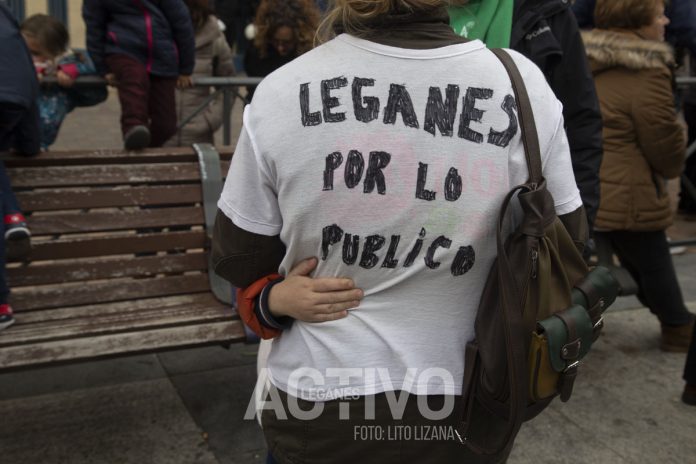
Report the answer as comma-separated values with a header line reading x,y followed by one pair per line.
x,y
16,227
6,318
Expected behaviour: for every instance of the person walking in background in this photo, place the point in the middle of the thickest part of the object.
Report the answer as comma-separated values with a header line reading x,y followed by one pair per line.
x,y
680,32
545,31
644,144
372,100
48,41
146,48
19,132
213,58
285,29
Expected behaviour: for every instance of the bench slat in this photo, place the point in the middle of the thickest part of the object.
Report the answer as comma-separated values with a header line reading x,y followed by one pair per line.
x,y
106,174
55,314
78,198
98,221
101,324
66,248
97,269
111,156
73,294
134,342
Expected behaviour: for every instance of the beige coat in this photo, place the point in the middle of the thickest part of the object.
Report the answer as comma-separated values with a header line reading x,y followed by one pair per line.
x,y
644,143
213,58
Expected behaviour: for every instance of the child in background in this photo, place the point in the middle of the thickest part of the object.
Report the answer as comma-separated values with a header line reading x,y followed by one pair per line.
x,y
48,41
19,133
213,58
146,48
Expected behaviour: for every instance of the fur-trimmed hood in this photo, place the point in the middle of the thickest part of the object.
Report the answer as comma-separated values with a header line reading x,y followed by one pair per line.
x,y
609,49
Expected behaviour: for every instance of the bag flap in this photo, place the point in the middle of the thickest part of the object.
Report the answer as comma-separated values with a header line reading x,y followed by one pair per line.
x,y
569,334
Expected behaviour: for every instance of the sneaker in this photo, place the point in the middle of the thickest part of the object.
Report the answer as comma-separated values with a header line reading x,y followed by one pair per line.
x,y
676,339
689,395
6,318
136,138
16,227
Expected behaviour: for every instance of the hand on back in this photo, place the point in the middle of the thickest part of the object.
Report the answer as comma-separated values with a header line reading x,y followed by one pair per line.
x,y
313,299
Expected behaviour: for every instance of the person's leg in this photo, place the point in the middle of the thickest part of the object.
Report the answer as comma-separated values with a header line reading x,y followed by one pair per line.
x,y
15,233
689,396
162,105
133,90
646,256
10,116
53,108
6,318
687,204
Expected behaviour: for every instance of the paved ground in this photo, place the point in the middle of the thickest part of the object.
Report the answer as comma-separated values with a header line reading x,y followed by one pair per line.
x,y
187,407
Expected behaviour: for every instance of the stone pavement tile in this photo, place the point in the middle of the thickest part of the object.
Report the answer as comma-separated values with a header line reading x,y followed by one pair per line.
x,y
208,358
92,127
57,379
135,423
217,400
625,407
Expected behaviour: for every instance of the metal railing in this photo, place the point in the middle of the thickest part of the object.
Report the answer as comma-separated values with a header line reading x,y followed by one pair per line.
x,y
227,86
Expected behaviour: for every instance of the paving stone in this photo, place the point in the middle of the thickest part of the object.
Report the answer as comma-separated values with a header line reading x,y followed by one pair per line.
x,y
217,400
76,376
134,423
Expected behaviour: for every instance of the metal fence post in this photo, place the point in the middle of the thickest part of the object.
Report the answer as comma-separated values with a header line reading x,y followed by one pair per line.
x,y
226,116
17,8
59,10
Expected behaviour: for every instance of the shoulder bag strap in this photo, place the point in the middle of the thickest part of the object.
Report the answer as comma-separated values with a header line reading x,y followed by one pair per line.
x,y
526,117
515,330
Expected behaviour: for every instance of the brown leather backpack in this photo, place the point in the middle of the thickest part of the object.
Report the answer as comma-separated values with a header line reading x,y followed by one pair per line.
x,y
539,313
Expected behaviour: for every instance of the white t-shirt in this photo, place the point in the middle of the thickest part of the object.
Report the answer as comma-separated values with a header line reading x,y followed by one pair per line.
x,y
390,166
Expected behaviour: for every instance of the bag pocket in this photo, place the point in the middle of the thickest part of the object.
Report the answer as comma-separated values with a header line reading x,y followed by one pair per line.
x,y
558,343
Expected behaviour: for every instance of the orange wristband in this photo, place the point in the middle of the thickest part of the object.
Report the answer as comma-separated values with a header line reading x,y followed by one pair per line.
x,y
245,307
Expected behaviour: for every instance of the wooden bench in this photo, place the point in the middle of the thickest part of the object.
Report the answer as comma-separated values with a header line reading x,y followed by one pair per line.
x,y
119,260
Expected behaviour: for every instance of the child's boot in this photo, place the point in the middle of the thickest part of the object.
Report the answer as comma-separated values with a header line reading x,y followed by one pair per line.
x,y
6,318
17,237
137,138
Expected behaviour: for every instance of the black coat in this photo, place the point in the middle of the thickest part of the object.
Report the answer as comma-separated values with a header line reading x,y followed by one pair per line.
x,y
546,32
19,90
158,33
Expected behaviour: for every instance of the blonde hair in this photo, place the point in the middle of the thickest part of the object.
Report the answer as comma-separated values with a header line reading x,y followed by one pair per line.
x,y
355,16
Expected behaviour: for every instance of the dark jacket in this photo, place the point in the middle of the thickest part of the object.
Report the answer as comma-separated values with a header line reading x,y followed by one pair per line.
x,y
643,140
255,66
19,89
680,31
546,32
158,33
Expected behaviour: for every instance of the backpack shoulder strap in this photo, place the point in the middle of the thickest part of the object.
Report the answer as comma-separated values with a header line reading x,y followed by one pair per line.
x,y
525,115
